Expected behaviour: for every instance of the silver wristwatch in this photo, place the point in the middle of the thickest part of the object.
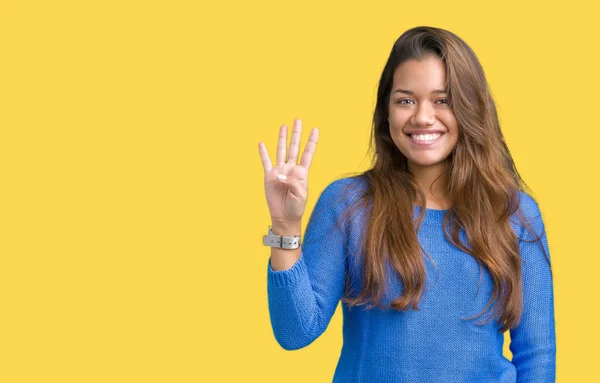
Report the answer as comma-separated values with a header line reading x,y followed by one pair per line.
x,y
280,241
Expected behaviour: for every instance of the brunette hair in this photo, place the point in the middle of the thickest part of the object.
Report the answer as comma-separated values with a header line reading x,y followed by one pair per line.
x,y
483,187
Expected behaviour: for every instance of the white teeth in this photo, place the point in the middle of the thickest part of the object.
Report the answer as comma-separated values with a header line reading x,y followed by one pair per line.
x,y
425,137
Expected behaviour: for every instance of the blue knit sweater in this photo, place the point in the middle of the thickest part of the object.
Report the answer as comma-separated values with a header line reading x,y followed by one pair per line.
x,y
433,344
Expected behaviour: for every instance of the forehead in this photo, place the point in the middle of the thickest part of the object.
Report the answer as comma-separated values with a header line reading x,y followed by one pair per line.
x,y
423,74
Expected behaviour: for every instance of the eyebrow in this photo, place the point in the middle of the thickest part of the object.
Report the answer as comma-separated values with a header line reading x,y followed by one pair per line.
x,y
412,93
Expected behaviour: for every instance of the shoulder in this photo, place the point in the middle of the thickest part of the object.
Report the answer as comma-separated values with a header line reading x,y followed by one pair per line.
x,y
345,190
341,198
528,205
529,215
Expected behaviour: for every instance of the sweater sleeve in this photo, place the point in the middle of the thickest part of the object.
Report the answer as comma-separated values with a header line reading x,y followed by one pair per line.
x,y
533,342
303,299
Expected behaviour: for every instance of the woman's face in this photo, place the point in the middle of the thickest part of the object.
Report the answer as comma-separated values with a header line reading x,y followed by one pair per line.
x,y
422,124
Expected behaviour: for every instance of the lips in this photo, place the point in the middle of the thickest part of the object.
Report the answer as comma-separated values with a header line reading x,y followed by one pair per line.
x,y
424,131
426,142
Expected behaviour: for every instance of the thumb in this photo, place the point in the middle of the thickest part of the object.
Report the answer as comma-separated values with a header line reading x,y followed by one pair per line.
x,y
297,188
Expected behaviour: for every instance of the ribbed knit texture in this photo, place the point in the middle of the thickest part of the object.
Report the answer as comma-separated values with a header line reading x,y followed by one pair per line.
x,y
433,344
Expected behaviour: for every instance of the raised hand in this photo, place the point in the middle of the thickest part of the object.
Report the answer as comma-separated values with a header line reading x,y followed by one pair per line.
x,y
286,183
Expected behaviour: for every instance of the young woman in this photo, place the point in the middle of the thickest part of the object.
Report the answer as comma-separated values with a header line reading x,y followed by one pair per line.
x,y
435,251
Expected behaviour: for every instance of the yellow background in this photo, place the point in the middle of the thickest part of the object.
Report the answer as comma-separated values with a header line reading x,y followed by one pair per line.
x,y
132,206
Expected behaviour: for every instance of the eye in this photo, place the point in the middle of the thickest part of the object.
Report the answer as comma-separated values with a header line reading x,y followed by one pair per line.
x,y
443,101
404,101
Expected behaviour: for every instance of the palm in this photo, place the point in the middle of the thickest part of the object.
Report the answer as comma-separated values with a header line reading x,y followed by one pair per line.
x,y
287,200
284,204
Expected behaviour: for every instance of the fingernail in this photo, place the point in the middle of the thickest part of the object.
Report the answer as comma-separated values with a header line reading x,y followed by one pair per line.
x,y
281,177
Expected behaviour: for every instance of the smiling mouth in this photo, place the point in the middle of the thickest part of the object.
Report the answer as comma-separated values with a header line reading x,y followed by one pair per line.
x,y
425,139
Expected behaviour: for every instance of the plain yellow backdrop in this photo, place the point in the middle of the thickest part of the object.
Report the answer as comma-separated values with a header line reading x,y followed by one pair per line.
x,y
132,206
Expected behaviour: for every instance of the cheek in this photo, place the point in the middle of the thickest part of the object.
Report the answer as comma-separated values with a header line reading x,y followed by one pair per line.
x,y
449,120
398,117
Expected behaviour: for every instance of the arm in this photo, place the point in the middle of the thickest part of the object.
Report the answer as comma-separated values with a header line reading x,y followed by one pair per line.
x,y
533,342
303,298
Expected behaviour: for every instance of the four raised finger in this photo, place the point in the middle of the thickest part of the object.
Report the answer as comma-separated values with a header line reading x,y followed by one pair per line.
x,y
307,155
281,142
309,150
295,142
264,156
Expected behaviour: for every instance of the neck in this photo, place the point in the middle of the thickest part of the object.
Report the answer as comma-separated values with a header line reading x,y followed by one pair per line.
x,y
433,184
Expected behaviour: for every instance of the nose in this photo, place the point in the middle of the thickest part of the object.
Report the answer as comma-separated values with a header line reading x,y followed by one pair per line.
x,y
424,115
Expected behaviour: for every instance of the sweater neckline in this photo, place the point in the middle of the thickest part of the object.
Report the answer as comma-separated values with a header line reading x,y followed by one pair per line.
x,y
432,212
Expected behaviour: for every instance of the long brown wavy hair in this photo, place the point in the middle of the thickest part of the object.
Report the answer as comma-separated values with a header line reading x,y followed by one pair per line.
x,y
483,187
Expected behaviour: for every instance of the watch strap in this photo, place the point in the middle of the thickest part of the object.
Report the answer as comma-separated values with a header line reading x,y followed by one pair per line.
x,y
281,241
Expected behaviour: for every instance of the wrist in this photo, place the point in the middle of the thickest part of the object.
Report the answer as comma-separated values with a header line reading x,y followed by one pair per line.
x,y
286,228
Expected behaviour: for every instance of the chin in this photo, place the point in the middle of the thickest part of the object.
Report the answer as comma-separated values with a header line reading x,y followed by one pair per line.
x,y
424,162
